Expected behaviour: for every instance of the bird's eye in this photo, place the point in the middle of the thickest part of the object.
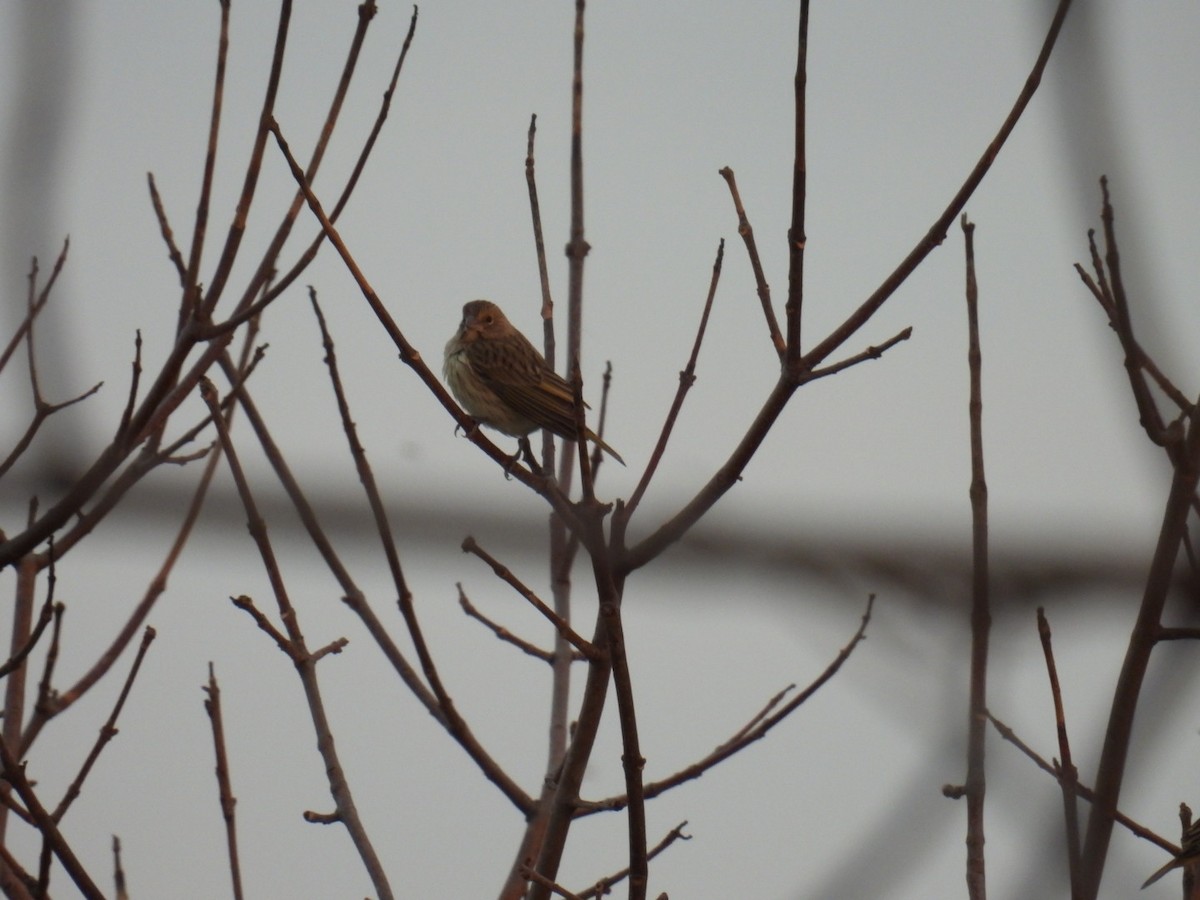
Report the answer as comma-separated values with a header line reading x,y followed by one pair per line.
x,y
487,320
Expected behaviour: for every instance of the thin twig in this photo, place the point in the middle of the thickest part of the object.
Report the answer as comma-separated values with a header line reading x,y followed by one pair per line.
x,y
937,231
118,870
22,629
796,236
604,886
310,252
549,884
168,234
14,774
32,313
49,610
687,377
469,545
872,352
1069,775
1097,286
1081,790
981,614
539,244
504,634
212,706
237,228
760,279
107,731
1148,413
761,725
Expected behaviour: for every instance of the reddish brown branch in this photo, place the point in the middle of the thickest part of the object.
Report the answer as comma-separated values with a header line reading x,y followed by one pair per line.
x,y
1110,774
746,231
168,234
981,615
796,236
107,731
604,886
247,309
759,726
503,633
469,545
1069,776
14,774
212,706
305,662
1181,440
1081,790
237,228
49,611
872,352
937,231
687,377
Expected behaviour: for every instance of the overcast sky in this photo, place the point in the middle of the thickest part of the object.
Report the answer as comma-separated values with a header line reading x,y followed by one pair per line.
x,y
902,100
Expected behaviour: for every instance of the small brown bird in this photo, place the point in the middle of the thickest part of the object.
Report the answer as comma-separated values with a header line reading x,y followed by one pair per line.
x,y
502,380
1188,854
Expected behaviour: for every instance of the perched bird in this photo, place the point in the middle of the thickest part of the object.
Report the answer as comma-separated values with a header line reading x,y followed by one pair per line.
x,y
1188,854
502,380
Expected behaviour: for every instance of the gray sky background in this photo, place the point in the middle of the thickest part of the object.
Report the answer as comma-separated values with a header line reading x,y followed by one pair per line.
x,y
843,800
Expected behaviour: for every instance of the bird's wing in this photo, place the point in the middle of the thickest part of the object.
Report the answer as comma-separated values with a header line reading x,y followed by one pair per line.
x,y
518,375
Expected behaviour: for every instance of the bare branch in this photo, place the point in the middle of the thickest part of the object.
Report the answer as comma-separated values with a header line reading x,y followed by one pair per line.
x,y
469,545
687,378
212,706
981,613
759,727
760,278
339,786
107,731
14,774
1069,775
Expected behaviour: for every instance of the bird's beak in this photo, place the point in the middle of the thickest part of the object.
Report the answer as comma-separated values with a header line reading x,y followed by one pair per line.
x,y
468,330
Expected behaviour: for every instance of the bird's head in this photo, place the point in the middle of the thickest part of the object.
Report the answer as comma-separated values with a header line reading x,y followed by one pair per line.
x,y
482,319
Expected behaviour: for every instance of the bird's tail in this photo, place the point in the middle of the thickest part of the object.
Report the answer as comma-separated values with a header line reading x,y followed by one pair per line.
x,y
595,439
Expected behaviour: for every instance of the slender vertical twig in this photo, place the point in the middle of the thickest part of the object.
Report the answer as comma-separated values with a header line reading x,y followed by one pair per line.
x,y
191,287
539,244
981,616
577,246
796,235
237,228
1068,778
212,706
118,870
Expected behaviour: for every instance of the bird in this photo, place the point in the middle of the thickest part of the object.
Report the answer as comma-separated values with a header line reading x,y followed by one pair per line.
x,y
501,379
1188,854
